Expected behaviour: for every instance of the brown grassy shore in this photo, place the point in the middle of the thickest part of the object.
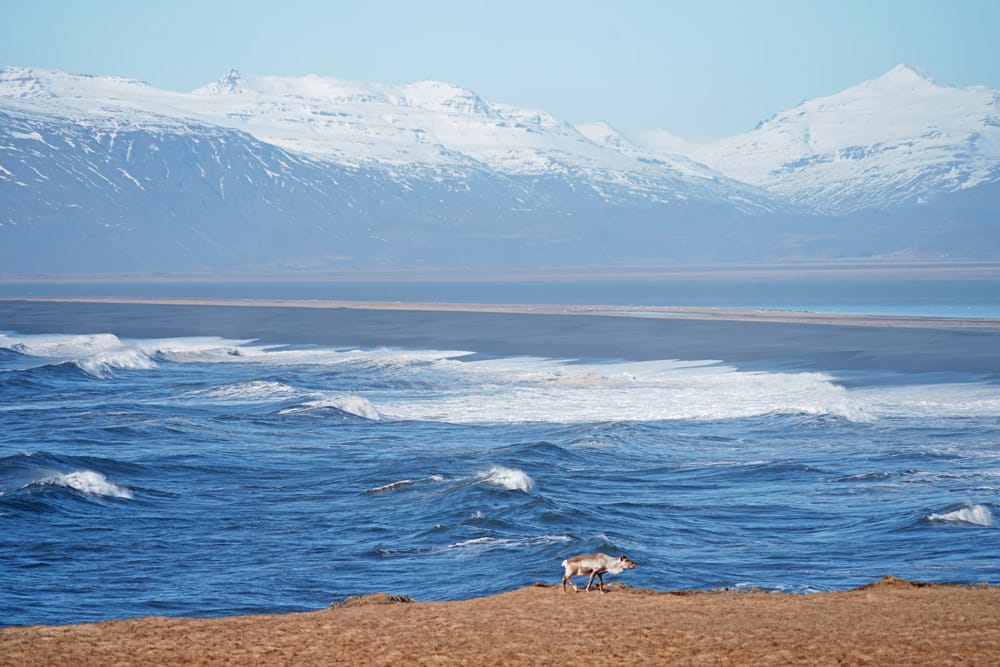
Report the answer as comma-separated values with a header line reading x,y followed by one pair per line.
x,y
891,622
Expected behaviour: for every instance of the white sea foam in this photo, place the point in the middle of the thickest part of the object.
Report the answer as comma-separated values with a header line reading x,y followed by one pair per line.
x,y
546,390
59,345
391,486
96,355
88,482
250,391
402,484
356,405
440,386
103,364
971,399
101,354
373,359
483,544
511,479
977,515
353,405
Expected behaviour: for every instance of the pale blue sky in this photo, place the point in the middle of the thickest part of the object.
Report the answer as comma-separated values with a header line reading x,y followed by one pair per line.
x,y
699,69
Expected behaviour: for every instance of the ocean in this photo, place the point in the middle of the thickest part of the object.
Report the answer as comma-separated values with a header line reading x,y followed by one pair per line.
x,y
204,461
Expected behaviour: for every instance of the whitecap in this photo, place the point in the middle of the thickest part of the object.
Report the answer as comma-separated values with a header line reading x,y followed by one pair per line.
x,y
970,399
60,345
976,515
356,405
482,544
511,479
104,364
526,389
249,391
391,486
402,484
529,389
349,404
88,482
96,355
474,542
99,355
378,358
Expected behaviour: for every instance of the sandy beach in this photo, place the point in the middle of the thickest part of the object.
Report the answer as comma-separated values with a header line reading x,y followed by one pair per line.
x,y
891,622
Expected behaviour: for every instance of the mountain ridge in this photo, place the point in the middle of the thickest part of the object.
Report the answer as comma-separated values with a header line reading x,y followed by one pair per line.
x,y
900,138
314,172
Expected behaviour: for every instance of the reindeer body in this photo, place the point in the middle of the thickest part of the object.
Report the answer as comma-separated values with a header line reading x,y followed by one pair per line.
x,y
594,565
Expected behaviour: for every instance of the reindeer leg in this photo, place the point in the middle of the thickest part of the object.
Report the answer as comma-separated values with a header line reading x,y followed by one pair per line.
x,y
600,581
591,581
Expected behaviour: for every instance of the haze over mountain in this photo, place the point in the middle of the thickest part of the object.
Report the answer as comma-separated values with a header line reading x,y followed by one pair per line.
x,y
102,174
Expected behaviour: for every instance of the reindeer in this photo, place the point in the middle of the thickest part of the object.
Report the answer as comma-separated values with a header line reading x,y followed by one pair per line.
x,y
595,565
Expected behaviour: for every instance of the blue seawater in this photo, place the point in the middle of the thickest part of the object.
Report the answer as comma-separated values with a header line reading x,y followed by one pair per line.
x,y
206,476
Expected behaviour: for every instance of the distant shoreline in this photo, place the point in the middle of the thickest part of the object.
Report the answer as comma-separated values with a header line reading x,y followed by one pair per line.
x,y
672,312
850,269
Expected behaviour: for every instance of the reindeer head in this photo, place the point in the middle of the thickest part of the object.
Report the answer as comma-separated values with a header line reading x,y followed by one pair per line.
x,y
626,564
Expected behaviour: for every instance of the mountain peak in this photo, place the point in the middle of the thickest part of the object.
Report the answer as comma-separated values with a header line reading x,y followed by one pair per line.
x,y
441,96
21,82
228,84
903,77
602,133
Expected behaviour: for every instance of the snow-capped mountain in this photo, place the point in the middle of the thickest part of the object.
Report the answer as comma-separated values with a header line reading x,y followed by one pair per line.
x,y
899,139
428,125
111,174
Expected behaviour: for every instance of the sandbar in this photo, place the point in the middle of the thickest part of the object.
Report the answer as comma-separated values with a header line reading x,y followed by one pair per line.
x,y
679,312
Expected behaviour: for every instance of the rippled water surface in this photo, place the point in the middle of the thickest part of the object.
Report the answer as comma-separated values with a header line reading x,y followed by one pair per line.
x,y
206,476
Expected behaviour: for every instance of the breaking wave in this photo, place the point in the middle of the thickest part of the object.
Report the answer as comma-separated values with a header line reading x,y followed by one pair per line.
x,y
250,391
402,484
511,479
448,386
968,399
99,355
351,405
391,486
483,544
87,482
554,391
975,515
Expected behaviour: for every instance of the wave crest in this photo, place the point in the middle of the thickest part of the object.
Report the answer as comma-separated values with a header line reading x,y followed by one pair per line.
x,y
479,545
975,515
558,391
99,355
250,391
88,482
348,404
511,479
